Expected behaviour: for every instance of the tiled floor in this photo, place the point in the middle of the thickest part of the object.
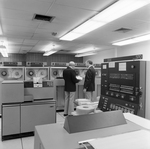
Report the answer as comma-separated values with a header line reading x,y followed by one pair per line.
x,y
27,142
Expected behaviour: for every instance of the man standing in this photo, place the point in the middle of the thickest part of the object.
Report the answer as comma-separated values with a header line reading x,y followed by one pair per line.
x,y
89,82
69,76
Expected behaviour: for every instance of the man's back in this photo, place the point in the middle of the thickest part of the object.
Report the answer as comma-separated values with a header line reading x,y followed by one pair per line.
x,y
69,76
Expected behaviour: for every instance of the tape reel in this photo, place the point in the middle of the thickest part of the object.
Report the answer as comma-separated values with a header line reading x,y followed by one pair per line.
x,y
16,74
30,73
4,73
55,73
84,109
42,73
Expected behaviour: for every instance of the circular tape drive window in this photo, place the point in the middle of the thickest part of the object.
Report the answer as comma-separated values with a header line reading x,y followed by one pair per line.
x,y
55,73
17,74
30,73
4,73
42,73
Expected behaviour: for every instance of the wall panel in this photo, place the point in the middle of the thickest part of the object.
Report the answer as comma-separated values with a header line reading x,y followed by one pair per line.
x,y
38,57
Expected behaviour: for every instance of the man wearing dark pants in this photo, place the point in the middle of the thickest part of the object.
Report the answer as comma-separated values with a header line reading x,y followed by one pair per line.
x,y
69,76
89,82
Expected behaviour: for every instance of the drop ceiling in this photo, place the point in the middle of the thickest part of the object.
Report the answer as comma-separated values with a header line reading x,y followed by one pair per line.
x,y
24,34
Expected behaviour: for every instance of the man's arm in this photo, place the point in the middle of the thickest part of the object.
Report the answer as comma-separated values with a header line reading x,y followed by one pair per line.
x,y
73,77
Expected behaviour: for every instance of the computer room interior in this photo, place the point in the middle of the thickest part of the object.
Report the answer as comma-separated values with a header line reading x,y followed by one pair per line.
x,y
27,38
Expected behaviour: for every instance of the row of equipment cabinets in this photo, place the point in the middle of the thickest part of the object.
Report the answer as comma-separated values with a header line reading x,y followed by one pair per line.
x,y
46,73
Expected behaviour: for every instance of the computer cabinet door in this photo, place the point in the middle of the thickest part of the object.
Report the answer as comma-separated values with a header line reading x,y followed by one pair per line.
x,y
12,92
10,119
37,114
60,97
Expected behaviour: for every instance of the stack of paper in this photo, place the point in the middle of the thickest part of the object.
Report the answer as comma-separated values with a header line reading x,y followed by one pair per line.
x,y
79,78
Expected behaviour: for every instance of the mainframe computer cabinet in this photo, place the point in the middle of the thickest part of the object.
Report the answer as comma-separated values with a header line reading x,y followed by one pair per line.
x,y
10,119
20,119
37,113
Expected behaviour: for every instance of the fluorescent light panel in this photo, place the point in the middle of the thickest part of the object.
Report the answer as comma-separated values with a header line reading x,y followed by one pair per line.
x,y
50,46
88,26
85,54
49,53
115,11
3,51
133,40
119,9
50,49
71,36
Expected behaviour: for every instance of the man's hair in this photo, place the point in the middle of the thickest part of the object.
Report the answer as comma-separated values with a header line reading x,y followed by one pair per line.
x,y
90,62
71,63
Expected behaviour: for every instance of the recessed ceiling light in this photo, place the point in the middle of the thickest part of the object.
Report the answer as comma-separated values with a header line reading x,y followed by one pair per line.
x,y
133,40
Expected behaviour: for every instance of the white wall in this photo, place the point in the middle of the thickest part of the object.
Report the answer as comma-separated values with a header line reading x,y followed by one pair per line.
x,y
134,49
99,57
140,48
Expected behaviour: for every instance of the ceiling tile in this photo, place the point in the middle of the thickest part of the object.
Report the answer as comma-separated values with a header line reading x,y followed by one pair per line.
x,y
17,34
42,31
43,36
96,5
27,48
43,42
39,49
14,40
18,29
26,5
61,12
30,42
17,22
15,14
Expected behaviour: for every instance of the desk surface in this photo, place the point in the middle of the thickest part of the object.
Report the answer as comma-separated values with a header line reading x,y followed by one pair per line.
x,y
56,137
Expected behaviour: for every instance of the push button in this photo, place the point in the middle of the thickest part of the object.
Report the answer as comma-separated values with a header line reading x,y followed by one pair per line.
x,y
122,96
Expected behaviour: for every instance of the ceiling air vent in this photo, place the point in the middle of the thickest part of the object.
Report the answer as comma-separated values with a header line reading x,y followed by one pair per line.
x,y
43,17
123,30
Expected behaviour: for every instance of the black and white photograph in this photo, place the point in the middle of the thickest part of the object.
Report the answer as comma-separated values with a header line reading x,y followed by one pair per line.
x,y
74,74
